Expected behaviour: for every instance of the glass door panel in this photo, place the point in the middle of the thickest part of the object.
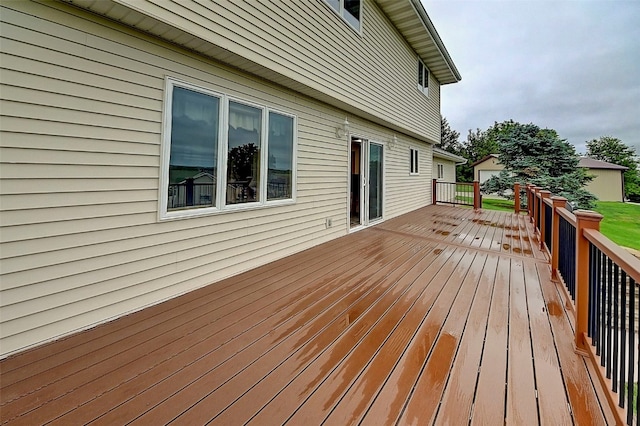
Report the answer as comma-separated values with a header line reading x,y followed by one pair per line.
x,y
375,181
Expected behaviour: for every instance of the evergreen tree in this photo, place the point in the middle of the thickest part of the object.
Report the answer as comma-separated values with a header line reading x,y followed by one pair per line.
x,y
538,156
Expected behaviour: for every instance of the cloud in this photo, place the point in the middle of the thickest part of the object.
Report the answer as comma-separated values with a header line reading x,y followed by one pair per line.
x,y
573,66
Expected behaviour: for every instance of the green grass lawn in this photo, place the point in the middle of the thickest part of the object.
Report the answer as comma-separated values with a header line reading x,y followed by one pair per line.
x,y
495,204
621,223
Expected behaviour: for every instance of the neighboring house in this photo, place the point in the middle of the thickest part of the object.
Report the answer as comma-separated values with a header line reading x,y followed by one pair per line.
x,y
152,148
486,167
608,179
444,165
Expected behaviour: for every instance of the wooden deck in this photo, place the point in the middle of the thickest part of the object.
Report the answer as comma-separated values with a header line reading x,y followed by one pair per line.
x,y
441,316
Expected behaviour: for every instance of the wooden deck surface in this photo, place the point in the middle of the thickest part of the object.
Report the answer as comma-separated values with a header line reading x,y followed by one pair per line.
x,y
441,316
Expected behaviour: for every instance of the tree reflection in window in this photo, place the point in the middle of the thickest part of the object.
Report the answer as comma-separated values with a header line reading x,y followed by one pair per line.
x,y
243,160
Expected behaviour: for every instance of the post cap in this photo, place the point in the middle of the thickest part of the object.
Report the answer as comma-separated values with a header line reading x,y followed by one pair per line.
x,y
588,215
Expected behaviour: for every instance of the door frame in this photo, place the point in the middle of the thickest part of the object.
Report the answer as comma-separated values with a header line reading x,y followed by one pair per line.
x,y
365,145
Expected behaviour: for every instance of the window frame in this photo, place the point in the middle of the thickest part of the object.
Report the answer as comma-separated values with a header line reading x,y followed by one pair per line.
x,y
221,205
440,170
341,13
414,161
423,73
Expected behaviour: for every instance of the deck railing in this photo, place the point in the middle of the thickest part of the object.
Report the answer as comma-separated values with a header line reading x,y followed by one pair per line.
x,y
458,193
601,279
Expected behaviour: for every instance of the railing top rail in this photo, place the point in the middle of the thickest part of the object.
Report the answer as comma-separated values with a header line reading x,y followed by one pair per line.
x,y
440,182
548,201
620,256
570,217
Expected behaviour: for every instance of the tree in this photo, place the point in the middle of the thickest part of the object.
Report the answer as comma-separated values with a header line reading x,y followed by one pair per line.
x,y
449,138
538,156
612,150
478,145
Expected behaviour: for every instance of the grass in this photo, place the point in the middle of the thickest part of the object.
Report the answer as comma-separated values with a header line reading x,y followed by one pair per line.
x,y
635,395
621,223
497,204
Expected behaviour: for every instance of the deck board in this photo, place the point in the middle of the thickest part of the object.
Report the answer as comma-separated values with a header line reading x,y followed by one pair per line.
x,y
441,316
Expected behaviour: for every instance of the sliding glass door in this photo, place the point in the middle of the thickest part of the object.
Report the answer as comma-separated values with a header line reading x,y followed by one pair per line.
x,y
366,182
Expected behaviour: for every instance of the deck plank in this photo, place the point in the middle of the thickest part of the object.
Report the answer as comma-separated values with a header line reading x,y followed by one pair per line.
x,y
164,335
521,395
298,387
235,354
552,398
425,400
585,407
489,406
233,331
460,390
443,315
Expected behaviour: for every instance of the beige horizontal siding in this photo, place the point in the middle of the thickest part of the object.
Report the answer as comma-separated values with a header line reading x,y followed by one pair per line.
x,y
80,166
306,42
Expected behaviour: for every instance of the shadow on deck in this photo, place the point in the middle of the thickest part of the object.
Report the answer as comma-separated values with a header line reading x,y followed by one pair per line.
x,y
443,315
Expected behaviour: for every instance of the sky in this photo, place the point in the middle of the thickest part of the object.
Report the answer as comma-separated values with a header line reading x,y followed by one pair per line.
x,y
568,65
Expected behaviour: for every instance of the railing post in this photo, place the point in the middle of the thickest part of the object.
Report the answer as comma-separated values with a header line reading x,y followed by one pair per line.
x,y
543,218
516,193
585,219
476,195
530,202
555,235
536,208
433,192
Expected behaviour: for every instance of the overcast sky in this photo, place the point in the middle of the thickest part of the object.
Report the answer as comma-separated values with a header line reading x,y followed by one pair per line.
x,y
569,65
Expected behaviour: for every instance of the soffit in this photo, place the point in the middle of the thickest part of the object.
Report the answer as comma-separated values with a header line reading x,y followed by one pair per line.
x,y
410,18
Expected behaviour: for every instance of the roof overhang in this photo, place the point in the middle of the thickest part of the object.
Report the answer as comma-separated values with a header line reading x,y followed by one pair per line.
x,y
445,155
416,30
410,18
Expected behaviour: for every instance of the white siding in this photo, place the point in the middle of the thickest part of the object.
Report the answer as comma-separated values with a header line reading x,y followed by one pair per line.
x,y
80,151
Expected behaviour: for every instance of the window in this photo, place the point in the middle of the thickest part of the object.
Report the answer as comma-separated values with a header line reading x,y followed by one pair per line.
x,y
243,154
349,10
280,173
222,154
195,128
440,171
413,159
423,78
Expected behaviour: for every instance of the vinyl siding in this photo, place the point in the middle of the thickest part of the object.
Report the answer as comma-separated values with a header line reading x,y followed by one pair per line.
x,y
306,42
81,124
606,184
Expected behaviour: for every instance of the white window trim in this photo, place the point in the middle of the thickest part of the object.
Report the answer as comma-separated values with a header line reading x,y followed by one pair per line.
x,y
424,88
341,12
440,167
221,207
414,171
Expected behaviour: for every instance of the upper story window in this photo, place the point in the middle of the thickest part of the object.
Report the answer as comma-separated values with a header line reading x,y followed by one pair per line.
x,y
423,78
349,10
221,154
413,160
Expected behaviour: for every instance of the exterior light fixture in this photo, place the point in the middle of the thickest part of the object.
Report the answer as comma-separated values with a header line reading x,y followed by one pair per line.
x,y
393,142
341,132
